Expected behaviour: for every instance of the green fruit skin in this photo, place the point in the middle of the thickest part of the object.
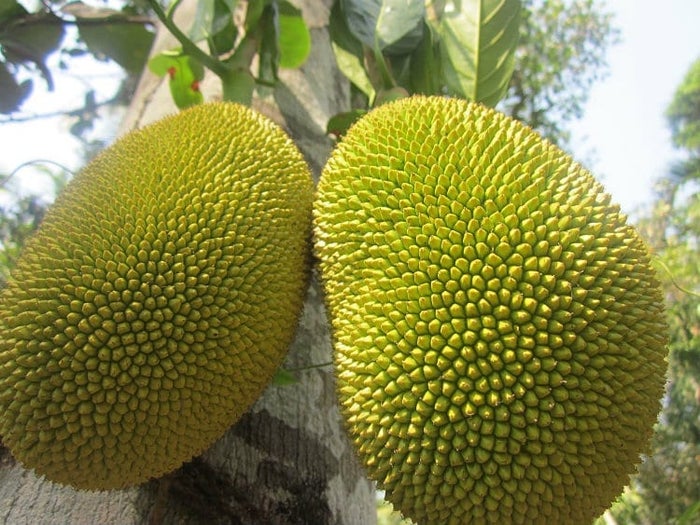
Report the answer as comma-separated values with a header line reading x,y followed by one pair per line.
x,y
156,300
498,330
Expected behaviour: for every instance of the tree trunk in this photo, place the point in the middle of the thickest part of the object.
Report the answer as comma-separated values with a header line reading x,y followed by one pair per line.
x,y
287,461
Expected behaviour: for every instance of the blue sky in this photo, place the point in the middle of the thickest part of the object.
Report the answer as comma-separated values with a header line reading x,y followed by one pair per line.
x,y
623,130
624,122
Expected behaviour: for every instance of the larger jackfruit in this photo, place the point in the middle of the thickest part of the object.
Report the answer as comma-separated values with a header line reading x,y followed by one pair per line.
x,y
499,333
156,300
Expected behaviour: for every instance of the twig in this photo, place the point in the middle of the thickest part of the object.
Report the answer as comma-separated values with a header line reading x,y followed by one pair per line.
x,y
14,172
217,67
673,280
53,114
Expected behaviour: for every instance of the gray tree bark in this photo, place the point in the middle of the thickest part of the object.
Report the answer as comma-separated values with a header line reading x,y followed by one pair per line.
x,y
287,461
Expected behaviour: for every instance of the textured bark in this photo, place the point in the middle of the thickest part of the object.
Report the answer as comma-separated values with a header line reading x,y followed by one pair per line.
x,y
287,461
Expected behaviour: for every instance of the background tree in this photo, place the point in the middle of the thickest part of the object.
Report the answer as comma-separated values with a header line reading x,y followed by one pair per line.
x,y
667,489
561,54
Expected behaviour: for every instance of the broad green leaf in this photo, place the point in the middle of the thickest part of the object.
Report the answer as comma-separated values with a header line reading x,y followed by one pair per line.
x,y
392,26
44,38
127,44
294,38
202,23
268,52
12,93
10,9
400,25
339,124
213,21
210,17
390,95
31,41
477,42
349,54
184,76
224,38
425,74
23,42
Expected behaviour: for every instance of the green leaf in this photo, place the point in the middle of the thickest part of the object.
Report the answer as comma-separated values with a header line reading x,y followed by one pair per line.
x,y
10,9
477,42
339,124
213,21
127,44
13,93
294,38
29,38
184,74
426,75
390,95
268,52
32,37
393,26
159,64
349,53
224,39
400,25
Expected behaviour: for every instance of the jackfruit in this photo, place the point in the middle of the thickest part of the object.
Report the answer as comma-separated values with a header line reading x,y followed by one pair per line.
x,y
499,332
156,300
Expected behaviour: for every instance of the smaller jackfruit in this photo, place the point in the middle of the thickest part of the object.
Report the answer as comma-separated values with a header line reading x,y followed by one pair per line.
x,y
499,333
156,300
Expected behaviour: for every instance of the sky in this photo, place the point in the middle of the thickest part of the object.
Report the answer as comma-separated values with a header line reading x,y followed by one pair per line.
x,y
624,121
623,136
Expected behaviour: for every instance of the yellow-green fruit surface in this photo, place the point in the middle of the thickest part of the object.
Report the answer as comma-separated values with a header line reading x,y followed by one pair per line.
x,y
499,334
156,300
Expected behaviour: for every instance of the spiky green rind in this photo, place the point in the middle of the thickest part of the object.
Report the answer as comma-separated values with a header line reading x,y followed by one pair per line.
x,y
499,333
156,300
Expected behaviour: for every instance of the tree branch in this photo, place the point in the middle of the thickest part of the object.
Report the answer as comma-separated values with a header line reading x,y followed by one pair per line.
x,y
52,19
53,114
217,67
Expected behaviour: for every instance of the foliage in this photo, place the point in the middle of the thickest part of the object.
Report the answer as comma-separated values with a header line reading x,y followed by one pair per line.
x,y
561,54
421,47
461,48
274,32
25,42
28,39
548,84
390,49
